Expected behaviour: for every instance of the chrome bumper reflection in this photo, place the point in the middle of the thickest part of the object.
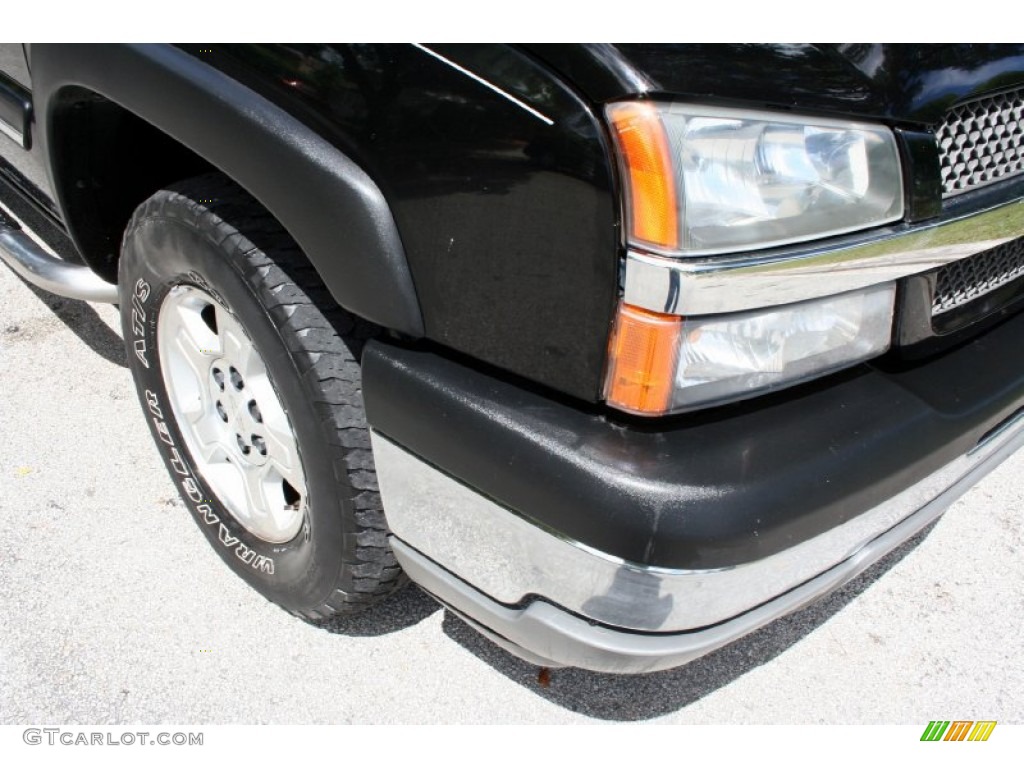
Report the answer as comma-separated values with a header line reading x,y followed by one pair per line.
x,y
509,558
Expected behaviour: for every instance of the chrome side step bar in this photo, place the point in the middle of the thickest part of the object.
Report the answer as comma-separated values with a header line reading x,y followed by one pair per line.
x,y
26,257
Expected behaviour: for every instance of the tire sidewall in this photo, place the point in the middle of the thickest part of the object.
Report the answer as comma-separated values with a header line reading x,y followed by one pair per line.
x,y
159,253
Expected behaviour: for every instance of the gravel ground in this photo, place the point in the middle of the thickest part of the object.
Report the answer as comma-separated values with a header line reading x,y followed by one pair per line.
x,y
115,610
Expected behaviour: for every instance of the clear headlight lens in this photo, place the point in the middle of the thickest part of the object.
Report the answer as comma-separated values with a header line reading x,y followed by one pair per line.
x,y
737,180
732,356
660,363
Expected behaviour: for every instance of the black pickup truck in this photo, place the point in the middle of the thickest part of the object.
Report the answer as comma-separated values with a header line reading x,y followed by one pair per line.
x,y
619,351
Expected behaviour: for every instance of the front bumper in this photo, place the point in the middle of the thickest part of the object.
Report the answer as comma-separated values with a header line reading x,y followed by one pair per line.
x,y
544,632
630,546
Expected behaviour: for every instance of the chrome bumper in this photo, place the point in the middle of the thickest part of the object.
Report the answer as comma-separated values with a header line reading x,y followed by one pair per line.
x,y
489,564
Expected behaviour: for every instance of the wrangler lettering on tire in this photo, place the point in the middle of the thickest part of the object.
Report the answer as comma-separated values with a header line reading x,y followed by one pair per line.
x,y
249,375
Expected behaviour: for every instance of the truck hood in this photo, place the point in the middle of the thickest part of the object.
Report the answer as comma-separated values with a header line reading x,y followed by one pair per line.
x,y
897,83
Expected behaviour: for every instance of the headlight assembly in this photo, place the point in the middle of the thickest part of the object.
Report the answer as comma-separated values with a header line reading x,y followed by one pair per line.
x,y
703,180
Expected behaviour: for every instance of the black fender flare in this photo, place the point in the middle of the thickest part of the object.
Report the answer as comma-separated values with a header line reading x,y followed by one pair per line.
x,y
332,208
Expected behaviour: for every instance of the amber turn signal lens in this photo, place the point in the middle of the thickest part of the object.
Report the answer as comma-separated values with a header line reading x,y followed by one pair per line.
x,y
642,360
653,213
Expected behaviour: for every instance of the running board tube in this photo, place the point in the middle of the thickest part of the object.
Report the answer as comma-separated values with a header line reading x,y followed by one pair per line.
x,y
44,270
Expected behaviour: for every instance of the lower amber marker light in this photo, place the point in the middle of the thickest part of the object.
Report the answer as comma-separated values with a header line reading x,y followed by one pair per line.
x,y
642,359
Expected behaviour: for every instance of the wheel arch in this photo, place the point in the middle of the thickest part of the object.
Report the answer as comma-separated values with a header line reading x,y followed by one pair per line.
x,y
198,118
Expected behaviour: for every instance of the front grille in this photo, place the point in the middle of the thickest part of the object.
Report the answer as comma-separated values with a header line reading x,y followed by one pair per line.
x,y
963,281
981,142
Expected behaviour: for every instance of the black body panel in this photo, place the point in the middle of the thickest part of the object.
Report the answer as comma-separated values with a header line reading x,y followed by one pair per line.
x,y
899,83
327,203
729,486
505,201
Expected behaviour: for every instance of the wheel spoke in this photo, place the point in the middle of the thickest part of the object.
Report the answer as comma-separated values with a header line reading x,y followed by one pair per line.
x,y
292,474
193,353
253,479
211,436
286,517
228,482
196,340
237,347
281,446
192,349
285,512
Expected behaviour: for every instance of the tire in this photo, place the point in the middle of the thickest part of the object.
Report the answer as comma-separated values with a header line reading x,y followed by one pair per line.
x,y
211,286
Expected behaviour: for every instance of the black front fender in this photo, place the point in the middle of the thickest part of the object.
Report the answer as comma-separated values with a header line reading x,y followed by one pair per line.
x,y
332,208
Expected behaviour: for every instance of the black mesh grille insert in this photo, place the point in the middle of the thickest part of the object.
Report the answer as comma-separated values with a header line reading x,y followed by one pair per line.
x,y
981,142
965,280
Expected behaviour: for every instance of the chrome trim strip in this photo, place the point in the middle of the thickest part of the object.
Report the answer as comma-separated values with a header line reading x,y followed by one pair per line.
x,y
11,132
28,259
485,83
1013,423
710,286
509,558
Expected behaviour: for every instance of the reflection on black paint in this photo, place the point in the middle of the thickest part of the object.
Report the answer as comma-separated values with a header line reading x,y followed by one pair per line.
x,y
913,83
920,82
510,225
